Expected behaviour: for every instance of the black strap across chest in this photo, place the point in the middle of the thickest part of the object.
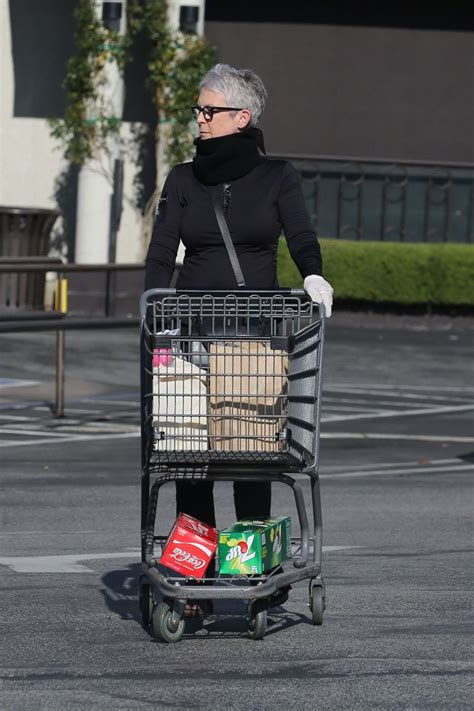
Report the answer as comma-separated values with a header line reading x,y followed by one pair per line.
x,y
216,193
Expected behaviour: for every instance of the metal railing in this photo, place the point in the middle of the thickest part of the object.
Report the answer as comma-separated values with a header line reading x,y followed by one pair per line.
x,y
29,320
351,197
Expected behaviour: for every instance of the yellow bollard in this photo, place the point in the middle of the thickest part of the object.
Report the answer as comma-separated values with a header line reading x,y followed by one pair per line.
x,y
60,295
60,305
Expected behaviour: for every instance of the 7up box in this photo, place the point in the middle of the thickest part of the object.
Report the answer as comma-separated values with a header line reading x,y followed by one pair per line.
x,y
254,546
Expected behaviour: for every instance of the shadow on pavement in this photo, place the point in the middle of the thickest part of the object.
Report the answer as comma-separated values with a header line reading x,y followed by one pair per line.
x,y
120,593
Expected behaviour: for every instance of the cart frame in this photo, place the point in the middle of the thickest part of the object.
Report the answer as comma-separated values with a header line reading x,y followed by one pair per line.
x,y
296,325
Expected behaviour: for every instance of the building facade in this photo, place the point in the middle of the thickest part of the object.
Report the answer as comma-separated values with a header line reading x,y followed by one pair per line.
x,y
350,87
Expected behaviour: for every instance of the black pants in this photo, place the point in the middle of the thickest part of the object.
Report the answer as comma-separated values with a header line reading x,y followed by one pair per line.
x,y
252,499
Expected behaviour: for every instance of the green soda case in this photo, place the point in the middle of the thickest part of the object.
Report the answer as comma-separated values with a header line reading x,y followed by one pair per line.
x,y
281,543
254,546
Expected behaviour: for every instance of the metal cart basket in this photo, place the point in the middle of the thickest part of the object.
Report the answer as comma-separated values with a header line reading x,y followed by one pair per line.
x,y
239,399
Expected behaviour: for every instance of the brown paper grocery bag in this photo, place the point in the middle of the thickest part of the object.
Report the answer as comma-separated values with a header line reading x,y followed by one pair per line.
x,y
247,395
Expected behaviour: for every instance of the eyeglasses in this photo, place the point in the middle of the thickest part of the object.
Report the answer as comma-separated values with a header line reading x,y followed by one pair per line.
x,y
209,111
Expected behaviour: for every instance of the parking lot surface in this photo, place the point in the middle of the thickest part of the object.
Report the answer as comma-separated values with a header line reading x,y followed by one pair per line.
x,y
397,460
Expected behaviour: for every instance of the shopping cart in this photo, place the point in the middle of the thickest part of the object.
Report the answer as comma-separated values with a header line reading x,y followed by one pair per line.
x,y
222,348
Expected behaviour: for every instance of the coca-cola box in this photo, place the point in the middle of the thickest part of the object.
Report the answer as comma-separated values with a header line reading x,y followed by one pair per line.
x,y
190,547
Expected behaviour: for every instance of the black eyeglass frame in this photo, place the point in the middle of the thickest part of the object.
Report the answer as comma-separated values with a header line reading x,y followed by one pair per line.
x,y
209,111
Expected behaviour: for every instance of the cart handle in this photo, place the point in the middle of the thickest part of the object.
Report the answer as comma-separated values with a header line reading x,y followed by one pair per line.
x,y
233,292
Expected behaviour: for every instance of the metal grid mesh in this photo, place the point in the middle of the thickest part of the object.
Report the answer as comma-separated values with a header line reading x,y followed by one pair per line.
x,y
230,315
218,375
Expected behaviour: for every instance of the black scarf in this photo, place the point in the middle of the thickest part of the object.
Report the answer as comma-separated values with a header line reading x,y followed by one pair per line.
x,y
226,158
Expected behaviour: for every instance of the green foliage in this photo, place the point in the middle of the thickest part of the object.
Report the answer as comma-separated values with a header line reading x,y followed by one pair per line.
x,y
87,123
149,18
392,272
193,60
176,64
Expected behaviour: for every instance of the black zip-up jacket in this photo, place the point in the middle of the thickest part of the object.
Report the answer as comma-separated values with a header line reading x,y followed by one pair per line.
x,y
260,205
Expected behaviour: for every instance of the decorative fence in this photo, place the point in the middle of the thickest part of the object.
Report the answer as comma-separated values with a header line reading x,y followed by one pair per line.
x,y
366,199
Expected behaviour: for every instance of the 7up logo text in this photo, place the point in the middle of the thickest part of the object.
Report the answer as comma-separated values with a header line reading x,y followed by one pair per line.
x,y
241,550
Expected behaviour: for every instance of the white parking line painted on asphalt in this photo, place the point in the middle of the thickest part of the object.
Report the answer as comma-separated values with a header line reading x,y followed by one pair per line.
x,y
395,395
60,563
330,416
134,403
66,438
420,469
403,437
17,418
48,533
336,401
70,563
17,383
398,413
397,388
394,465
435,466
362,407
32,433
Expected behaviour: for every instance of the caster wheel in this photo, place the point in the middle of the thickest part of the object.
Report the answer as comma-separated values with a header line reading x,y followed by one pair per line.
x,y
163,627
257,620
317,604
146,603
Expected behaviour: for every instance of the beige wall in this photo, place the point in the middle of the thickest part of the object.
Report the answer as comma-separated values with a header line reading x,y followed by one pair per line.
x,y
30,162
375,92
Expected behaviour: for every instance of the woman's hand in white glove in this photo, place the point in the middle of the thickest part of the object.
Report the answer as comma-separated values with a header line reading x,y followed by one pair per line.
x,y
319,290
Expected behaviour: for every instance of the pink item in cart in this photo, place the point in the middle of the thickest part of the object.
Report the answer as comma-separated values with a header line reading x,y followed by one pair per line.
x,y
162,357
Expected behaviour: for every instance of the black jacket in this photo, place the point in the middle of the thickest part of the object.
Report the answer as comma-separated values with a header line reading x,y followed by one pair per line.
x,y
263,203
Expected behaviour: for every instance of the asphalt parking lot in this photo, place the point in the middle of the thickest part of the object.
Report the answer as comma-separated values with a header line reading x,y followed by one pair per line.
x,y
397,460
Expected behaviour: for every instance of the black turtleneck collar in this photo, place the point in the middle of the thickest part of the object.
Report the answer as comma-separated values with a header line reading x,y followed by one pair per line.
x,y
226,158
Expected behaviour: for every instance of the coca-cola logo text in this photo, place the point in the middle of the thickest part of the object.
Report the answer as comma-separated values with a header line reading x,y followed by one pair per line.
x,y
182,556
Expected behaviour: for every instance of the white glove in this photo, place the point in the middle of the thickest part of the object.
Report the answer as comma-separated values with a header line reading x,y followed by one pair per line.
x,y
319,290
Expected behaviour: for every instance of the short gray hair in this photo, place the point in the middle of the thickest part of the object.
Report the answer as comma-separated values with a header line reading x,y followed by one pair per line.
x,y
241,87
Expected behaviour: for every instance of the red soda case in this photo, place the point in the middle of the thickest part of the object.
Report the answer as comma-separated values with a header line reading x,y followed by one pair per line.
x,y
190,547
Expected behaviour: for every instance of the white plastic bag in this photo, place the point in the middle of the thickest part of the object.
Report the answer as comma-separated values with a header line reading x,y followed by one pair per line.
x,y
179,405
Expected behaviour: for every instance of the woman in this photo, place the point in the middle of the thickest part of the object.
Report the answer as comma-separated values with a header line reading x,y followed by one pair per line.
x,y
261,198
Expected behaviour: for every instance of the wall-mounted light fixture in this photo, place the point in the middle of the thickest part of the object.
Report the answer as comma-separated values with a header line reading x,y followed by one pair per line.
x,y
111,15
188,19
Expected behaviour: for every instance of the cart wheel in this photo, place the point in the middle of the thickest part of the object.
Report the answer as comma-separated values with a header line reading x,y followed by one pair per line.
x,y
163,628
146,602
317,604
257,619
